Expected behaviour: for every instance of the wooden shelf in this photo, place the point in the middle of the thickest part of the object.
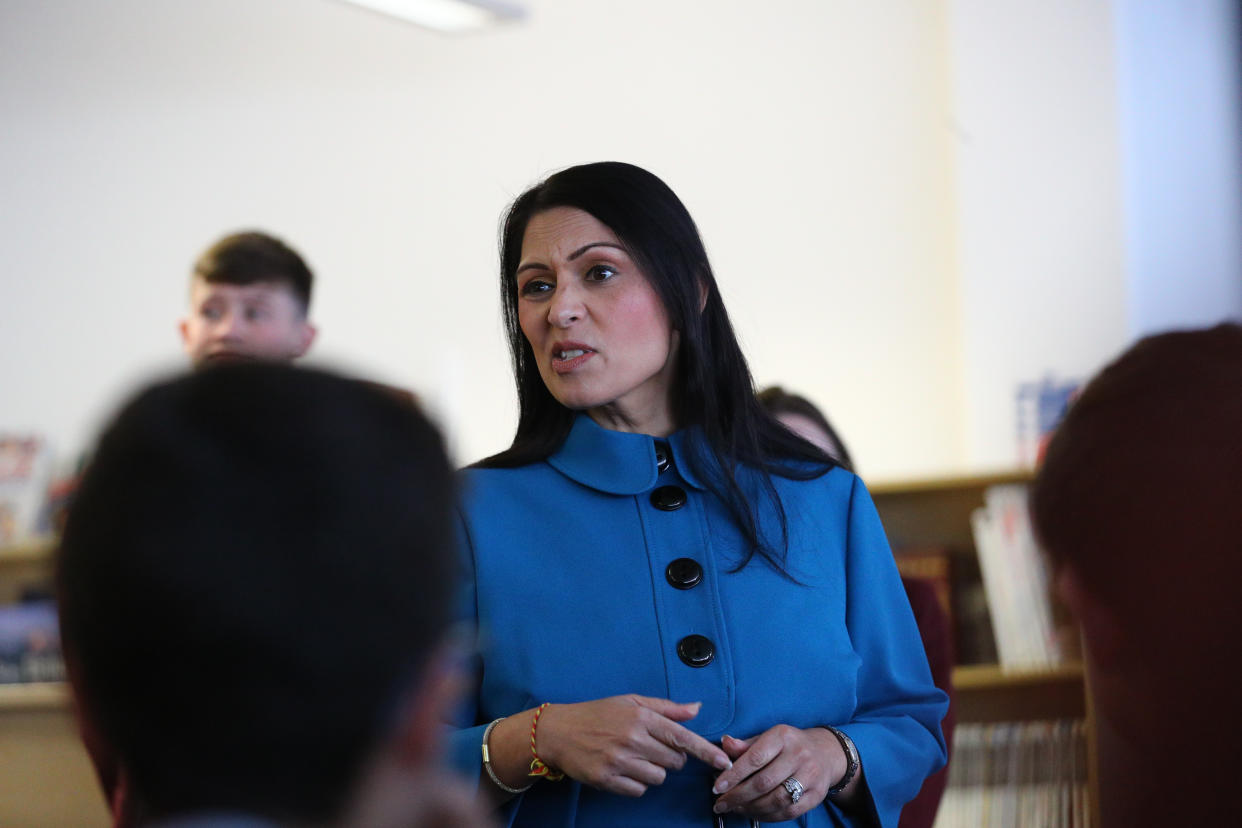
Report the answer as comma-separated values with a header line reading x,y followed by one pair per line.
x,y
37,550
979,481
935,512
23,566
46,776
34,696
994,676
986,693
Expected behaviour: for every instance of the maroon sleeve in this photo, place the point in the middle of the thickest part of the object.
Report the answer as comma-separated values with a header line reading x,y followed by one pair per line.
x,y
933,624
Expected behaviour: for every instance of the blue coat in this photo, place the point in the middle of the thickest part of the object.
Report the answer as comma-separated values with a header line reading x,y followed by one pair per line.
x,y
567,577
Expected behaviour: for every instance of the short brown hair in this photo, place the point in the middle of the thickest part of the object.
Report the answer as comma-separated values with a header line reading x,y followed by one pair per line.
x,y
249,257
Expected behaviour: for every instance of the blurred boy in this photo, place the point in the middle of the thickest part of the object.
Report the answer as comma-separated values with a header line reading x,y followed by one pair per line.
x,y
249,299
1139,504
255,587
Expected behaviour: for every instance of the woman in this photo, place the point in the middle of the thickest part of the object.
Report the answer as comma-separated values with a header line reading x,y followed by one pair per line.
x,y
685,609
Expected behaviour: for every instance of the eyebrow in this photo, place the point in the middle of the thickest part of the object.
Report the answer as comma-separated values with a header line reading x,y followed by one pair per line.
x,y
577,253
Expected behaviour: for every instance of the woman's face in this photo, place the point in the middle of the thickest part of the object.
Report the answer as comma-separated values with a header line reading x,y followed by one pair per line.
x,y
599,332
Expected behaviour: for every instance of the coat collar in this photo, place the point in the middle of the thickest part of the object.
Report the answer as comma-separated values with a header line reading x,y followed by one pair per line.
x,y
619,462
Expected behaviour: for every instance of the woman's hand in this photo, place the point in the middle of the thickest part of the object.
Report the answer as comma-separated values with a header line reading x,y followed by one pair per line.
x,y
754,786
623,744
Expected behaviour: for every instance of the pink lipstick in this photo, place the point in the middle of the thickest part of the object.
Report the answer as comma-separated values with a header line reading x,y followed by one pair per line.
x,y
568,356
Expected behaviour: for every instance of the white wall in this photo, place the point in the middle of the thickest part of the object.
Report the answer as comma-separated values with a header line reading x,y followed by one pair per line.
x,y
1180,79
808,141
1099,177
1043,282
912,206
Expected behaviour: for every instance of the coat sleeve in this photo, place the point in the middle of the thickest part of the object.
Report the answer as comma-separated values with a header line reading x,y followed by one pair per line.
x,y
464,734
896,723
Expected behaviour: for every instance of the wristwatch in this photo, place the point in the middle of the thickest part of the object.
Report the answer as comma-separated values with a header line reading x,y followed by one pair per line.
x,y
851,755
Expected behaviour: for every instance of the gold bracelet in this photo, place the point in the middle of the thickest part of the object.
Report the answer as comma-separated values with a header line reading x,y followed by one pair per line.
x,y
487,763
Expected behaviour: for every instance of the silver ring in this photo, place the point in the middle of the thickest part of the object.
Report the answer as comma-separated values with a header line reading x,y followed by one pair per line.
x,y
794,787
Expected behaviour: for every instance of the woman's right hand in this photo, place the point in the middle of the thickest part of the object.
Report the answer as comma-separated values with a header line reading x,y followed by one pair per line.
x,y
622,744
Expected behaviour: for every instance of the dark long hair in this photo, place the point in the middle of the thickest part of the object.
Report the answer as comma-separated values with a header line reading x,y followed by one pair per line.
x,y
714,389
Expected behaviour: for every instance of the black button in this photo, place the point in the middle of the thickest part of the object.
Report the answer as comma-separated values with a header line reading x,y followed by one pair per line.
x,y
664,458
696,650
684,573
668,498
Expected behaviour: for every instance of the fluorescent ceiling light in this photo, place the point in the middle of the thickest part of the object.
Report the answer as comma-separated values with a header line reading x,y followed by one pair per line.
x,y
446,15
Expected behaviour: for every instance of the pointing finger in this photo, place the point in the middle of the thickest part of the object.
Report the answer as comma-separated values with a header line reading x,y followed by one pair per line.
x,y
677,711
692,744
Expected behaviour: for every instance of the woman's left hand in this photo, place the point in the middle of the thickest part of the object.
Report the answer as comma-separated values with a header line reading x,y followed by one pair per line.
x,y
755,785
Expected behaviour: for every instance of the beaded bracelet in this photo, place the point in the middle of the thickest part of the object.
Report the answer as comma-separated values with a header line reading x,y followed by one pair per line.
x,y
537,765
487,763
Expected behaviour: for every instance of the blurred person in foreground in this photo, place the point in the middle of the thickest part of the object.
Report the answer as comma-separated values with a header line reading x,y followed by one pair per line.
x,y
1139,506
250,298
254,586
804,418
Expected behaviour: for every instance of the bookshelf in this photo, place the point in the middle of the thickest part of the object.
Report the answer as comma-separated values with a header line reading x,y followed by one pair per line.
x,y
46,777
934,513
932,516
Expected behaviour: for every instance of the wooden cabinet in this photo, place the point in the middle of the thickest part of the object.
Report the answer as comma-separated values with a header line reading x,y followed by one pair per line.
x,y
46,777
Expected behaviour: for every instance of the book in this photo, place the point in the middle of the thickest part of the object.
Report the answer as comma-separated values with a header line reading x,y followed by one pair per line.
x,y
25,471
30,643
934,565
1008,774
1015,579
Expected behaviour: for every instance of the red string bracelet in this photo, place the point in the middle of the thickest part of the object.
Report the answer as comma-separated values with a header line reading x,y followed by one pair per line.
x,y
537,765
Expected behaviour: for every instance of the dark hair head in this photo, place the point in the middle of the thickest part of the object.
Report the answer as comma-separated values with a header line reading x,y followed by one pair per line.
x,y
777,401
255,568
1140,484
250,257
714,388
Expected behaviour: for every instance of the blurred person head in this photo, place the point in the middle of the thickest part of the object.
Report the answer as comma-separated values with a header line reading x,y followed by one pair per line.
x,y
637,324
802,417
249,299
254,585
1137,504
